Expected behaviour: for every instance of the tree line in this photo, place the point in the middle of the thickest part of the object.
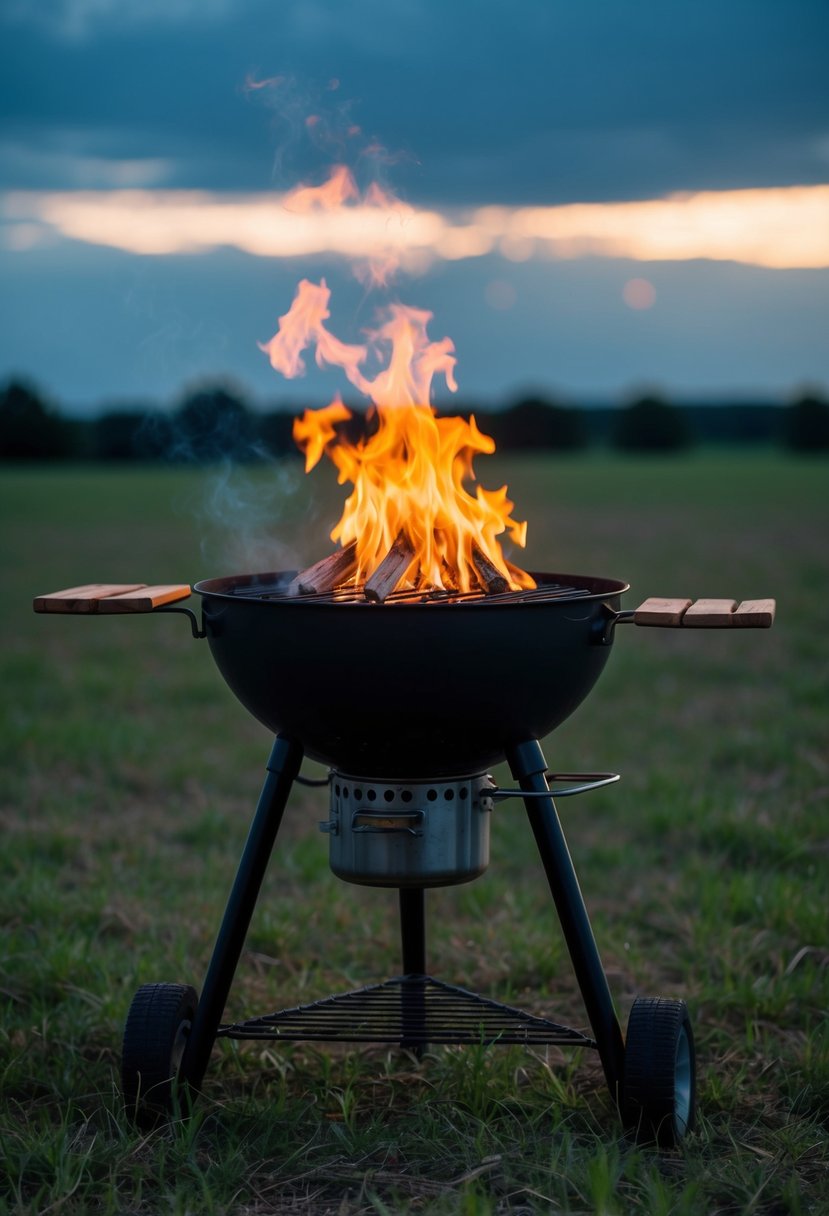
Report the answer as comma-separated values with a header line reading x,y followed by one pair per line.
x,y
214,421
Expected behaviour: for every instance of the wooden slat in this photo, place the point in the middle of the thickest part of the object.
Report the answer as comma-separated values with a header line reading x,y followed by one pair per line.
x,y
665,613
82,599
327,573
710,614
145,599
755,614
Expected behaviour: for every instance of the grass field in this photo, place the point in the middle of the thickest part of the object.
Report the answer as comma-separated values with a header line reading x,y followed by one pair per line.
x,y
129,775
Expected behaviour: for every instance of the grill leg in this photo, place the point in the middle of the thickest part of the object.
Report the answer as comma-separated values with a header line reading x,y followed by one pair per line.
x,y
413,929
526,760
283,767
412,993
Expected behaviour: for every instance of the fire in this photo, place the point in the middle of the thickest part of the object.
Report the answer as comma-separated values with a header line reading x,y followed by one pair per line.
x,y
409,474
341,195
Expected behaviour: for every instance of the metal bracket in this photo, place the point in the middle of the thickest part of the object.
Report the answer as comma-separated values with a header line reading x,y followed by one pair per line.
x,y
604,628
313,781
198,632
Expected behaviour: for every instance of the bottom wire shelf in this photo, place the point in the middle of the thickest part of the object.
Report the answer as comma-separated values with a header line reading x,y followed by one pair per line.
x,y
410,1010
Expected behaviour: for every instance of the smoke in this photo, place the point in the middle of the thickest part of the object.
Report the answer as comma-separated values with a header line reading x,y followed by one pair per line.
x,y
249,518
252,511
309,122
250,496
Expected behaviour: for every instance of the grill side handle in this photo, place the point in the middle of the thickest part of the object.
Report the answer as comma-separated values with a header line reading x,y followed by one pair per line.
x,y
663,613
116,599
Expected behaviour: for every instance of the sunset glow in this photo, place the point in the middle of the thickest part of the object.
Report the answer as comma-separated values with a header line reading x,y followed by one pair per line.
x,y
780,228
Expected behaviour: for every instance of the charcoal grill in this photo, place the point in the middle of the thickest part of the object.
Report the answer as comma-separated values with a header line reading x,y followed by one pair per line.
x,y
409,703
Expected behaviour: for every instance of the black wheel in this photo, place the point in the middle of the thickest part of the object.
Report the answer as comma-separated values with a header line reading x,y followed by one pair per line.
x,y
659,1088
155,1036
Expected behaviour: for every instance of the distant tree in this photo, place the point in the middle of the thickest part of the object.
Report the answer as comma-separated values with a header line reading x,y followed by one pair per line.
x,y
806,424
534,422
154,437
29,428
213,422
116,434
275,432
79,438
650,424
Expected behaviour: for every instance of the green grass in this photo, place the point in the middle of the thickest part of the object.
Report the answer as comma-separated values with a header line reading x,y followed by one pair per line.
x,y
129,774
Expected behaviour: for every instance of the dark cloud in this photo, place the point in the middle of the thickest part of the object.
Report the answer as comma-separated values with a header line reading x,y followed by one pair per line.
x,y
540,100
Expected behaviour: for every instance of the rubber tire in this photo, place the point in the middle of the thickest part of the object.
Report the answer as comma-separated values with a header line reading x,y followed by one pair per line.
x,y
155,1036
659,1089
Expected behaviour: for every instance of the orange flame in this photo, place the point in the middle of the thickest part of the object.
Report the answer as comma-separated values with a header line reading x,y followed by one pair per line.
x,y
341,190
408,474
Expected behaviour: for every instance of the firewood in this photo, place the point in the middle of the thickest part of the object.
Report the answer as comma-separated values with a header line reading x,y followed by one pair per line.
x,y
447,574
491,578
326,574
390,571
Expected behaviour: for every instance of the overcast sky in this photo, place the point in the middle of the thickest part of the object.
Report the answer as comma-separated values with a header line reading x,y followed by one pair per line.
x,y
457,107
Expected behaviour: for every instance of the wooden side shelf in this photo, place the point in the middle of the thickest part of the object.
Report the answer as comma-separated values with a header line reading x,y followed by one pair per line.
x,y
110,598
705,614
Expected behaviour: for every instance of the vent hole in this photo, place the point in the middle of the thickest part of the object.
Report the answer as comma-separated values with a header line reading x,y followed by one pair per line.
x,y
337,790
432,795
389,795
406,795
449,795
358,793
462,792
345,791
372,794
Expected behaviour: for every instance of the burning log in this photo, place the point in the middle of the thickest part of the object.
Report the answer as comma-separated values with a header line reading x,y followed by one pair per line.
x,y
390,571
450,582
326,574
491,578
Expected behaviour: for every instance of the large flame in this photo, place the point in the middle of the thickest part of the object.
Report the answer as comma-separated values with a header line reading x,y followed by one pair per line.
x,y
408,474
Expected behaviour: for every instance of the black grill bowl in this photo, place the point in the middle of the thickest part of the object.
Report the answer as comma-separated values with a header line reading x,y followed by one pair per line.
x,y
409,690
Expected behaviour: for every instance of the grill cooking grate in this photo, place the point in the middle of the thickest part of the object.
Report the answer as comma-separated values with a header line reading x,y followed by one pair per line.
x,y
355,595
412,1010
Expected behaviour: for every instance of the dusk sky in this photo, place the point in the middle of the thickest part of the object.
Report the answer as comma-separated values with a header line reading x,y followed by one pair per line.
x,y
600,196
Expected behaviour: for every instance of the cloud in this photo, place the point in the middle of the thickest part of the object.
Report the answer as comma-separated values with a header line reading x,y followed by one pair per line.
x,y
77,20
549,105
778,228
47,166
